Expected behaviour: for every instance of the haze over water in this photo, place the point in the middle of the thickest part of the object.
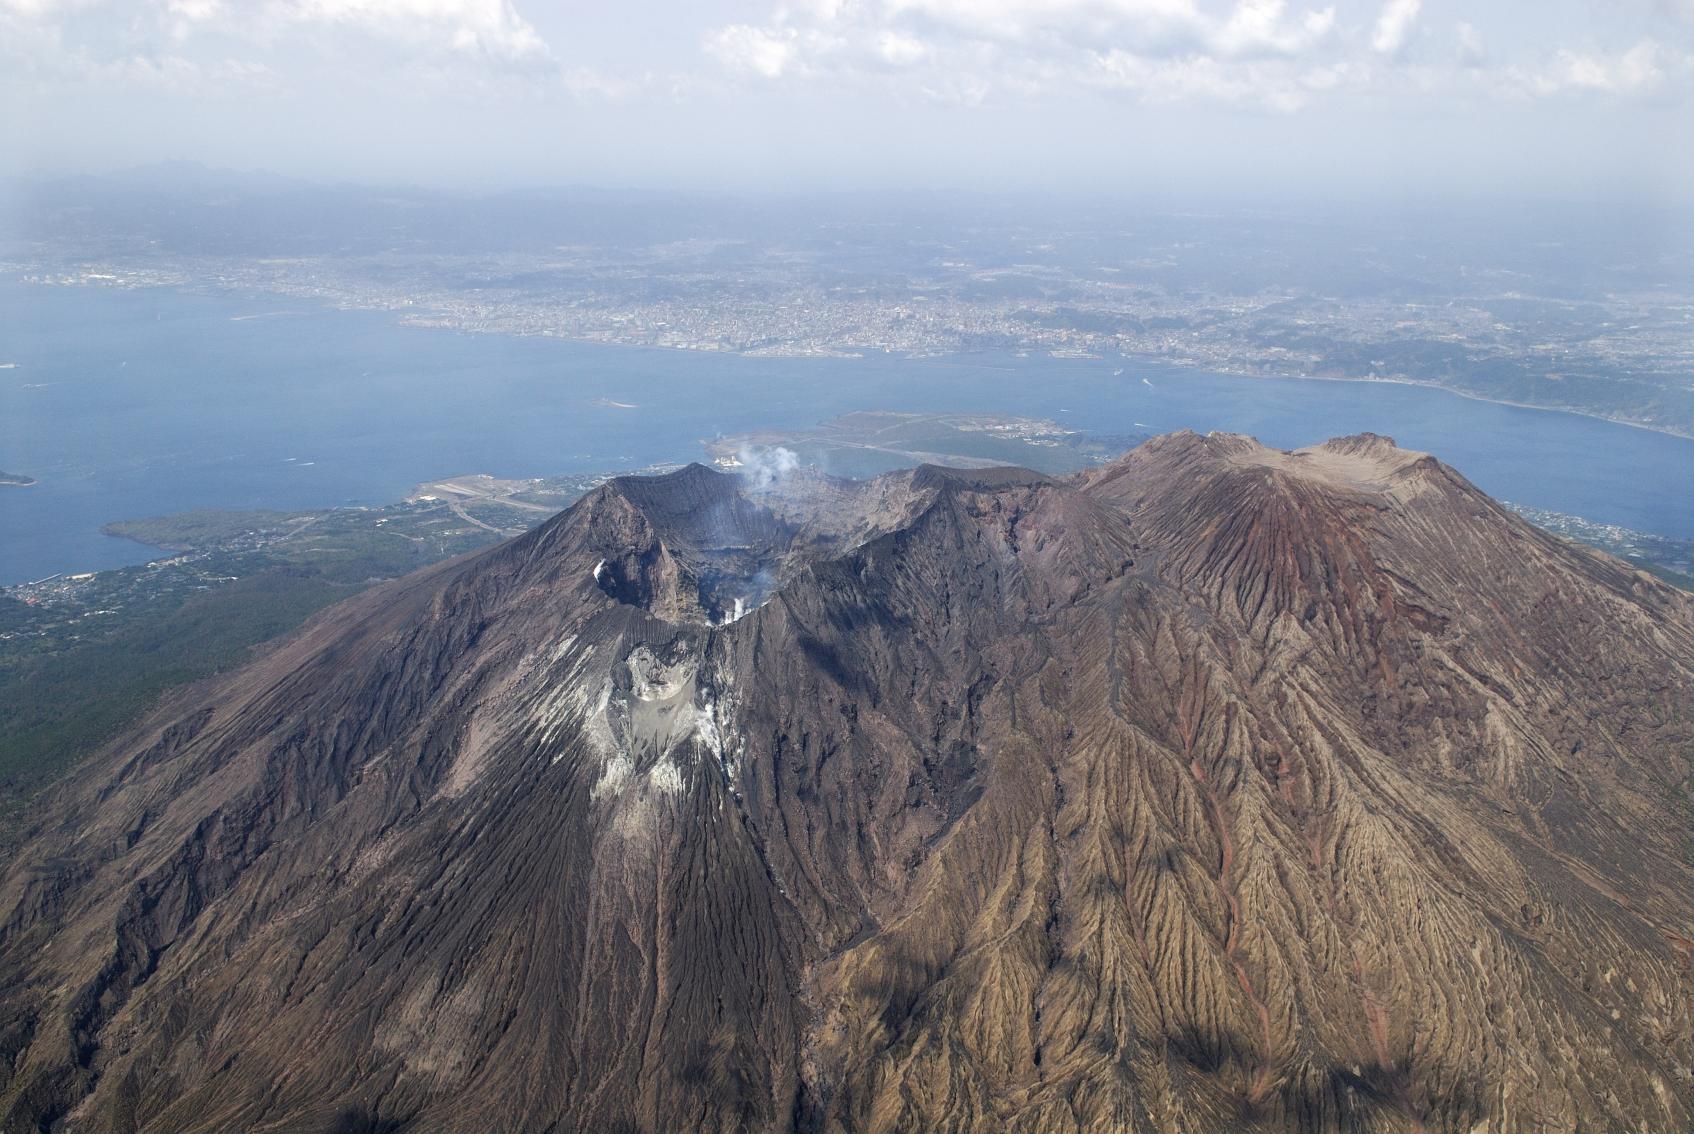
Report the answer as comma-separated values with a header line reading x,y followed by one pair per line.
x,y
131,403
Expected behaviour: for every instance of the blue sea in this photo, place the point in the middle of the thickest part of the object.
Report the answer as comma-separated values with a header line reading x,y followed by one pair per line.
x,y
131,403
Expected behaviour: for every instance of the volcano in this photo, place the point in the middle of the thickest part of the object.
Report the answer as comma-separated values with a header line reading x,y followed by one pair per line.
x,y
1218,788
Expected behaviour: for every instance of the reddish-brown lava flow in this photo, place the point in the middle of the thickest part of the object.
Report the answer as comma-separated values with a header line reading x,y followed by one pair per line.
x,y
537,840
1376,1019
1259,1087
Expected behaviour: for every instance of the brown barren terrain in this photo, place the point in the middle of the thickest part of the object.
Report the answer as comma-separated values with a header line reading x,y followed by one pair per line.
x,y
1219,788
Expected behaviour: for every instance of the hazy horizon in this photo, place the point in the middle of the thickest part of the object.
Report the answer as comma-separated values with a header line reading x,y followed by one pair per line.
x,y
1134,98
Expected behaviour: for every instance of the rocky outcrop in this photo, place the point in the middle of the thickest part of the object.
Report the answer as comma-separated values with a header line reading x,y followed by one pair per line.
x,y
1220,788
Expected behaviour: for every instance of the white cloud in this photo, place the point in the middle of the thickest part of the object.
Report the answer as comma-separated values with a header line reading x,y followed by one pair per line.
x,y
31,9
1086,21
488,29
1200,79
1259,27
120,41
962,51
1278,55
1394,26
824,11
1642,68
1149,27
765,52
195,11
900,50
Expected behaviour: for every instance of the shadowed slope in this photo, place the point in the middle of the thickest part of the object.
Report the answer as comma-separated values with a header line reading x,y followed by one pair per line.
x,y
1220,787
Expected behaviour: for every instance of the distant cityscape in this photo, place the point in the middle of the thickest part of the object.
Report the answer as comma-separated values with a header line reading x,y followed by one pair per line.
x,y
1588,322
1672,559
1629,358
1592,322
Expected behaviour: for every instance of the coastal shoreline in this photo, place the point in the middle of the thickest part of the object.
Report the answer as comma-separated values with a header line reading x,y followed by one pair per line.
x,y
1666,430
411,318
953,356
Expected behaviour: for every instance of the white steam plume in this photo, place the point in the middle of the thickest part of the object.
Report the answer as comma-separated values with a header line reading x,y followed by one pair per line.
x,y
765,468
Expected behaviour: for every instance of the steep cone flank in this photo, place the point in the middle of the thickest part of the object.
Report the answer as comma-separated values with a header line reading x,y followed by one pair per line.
x,y
1220,788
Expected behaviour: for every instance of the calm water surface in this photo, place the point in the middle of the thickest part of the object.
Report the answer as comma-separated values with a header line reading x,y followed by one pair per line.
x,y
129,403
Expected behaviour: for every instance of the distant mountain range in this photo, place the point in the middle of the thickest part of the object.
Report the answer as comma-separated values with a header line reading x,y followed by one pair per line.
x,y
1216,788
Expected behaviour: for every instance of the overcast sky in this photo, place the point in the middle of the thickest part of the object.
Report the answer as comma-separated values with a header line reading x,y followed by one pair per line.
x,y
1579,98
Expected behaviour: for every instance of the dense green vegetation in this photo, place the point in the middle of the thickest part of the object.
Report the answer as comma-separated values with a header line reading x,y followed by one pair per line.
x,y
85,658
207,527
1674,578
58,705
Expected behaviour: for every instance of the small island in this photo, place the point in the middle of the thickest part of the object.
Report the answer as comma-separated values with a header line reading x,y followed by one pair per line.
x,y
16,480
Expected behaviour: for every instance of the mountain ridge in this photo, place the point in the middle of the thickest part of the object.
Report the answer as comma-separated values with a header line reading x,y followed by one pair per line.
x,y
1217,787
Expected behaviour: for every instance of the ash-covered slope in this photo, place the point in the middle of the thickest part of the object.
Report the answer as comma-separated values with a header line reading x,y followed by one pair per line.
x,y
1220,788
